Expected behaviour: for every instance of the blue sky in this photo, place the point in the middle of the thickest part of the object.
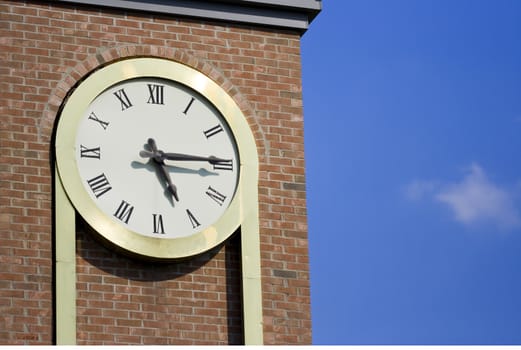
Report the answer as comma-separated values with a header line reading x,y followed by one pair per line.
x,y
413,134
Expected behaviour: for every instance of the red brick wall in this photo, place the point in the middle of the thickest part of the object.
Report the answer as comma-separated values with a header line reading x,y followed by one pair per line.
x,y
45,49
125,301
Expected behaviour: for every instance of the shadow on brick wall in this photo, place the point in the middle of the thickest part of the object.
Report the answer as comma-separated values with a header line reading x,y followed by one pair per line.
x,y
194,301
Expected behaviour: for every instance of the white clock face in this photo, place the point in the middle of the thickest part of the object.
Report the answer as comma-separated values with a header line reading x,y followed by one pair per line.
x,y
157,157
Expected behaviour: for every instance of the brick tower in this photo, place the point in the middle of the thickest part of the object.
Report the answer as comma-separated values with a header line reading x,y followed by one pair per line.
x,y
250,49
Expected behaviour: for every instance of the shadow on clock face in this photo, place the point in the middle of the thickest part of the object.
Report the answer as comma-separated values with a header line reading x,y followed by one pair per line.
x,y
174,169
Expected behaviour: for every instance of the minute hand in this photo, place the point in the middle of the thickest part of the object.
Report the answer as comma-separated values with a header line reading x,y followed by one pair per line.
x,y
188,157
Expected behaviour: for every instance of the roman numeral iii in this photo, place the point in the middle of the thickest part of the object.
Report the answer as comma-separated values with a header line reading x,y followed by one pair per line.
x,y
223,165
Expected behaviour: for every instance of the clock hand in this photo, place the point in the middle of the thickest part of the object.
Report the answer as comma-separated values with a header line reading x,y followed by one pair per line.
x,y
170,186
152,143
188,157
180,157
157,157
156,154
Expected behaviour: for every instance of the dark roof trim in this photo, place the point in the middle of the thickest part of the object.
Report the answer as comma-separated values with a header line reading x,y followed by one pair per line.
x,y
291,14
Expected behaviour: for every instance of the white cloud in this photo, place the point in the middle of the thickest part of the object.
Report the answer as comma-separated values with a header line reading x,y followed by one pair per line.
x,y
475,199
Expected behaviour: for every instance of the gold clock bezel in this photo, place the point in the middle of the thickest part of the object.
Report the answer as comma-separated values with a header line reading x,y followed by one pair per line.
x,y
132,242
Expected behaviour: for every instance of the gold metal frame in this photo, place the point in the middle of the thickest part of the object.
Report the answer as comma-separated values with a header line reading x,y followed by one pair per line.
x,y
243,210
73,112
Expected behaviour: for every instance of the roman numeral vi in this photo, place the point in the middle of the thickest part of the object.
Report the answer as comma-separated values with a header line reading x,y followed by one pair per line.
x,y
158,223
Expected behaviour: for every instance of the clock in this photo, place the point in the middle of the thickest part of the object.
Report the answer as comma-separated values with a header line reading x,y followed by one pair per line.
x,y
149,153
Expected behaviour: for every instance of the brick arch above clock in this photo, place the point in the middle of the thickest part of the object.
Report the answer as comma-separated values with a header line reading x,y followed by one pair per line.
x,y
82,69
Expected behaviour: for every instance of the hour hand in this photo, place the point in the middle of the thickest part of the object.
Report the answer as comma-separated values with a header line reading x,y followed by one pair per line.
x,y
189,157
172,189
157,156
